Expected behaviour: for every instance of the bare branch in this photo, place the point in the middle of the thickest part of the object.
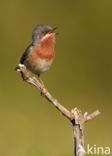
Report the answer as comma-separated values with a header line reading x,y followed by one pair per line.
x,y
75,116
43,90
92,115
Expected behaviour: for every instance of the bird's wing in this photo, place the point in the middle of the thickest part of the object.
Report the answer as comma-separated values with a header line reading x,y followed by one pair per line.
x,y
23,58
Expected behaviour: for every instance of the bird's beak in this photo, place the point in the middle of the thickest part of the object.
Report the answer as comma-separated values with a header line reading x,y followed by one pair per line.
x,y
53,30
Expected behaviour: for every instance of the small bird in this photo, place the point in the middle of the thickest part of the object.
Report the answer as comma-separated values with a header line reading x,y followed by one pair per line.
x,y
39,55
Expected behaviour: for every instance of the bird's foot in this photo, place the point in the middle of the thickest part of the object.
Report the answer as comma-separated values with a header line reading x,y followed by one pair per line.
x,y
40,80
44,88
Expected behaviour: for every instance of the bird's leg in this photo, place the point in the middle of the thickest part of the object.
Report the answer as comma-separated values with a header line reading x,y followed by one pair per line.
x,y
41,81
44,87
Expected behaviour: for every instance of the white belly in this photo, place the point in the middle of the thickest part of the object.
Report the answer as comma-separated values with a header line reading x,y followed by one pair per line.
x,y
43,65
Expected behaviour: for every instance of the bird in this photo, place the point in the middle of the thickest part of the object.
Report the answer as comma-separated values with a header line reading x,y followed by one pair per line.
x,y
39,55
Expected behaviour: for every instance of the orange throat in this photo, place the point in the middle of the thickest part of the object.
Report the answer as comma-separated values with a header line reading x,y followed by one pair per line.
x,y
45,50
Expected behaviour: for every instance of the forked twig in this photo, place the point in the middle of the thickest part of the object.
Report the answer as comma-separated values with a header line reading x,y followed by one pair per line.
x,y
75,116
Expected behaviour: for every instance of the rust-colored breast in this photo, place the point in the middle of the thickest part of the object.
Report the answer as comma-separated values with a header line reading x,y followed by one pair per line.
x,y
45,49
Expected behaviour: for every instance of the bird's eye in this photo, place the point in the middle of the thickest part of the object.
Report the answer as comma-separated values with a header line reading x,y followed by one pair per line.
x,y
44,32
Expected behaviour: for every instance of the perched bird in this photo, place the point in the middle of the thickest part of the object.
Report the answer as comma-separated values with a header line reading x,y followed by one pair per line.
x,y
39,55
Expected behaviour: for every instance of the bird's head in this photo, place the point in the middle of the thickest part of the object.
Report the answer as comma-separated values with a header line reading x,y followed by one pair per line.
x,y
42,32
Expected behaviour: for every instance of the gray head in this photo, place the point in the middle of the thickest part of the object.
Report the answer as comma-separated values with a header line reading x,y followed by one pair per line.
x,y
40,31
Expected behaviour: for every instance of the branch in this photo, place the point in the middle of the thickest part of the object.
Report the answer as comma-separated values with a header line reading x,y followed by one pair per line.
x,y
43,90
75,116
92,115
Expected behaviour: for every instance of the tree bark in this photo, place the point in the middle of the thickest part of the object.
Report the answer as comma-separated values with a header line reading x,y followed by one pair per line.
x,y
75,116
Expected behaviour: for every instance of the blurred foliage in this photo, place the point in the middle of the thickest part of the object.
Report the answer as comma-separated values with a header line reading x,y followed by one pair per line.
x,y
80,77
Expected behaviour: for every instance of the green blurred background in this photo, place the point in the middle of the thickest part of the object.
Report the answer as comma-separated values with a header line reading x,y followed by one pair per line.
x,y
81,75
